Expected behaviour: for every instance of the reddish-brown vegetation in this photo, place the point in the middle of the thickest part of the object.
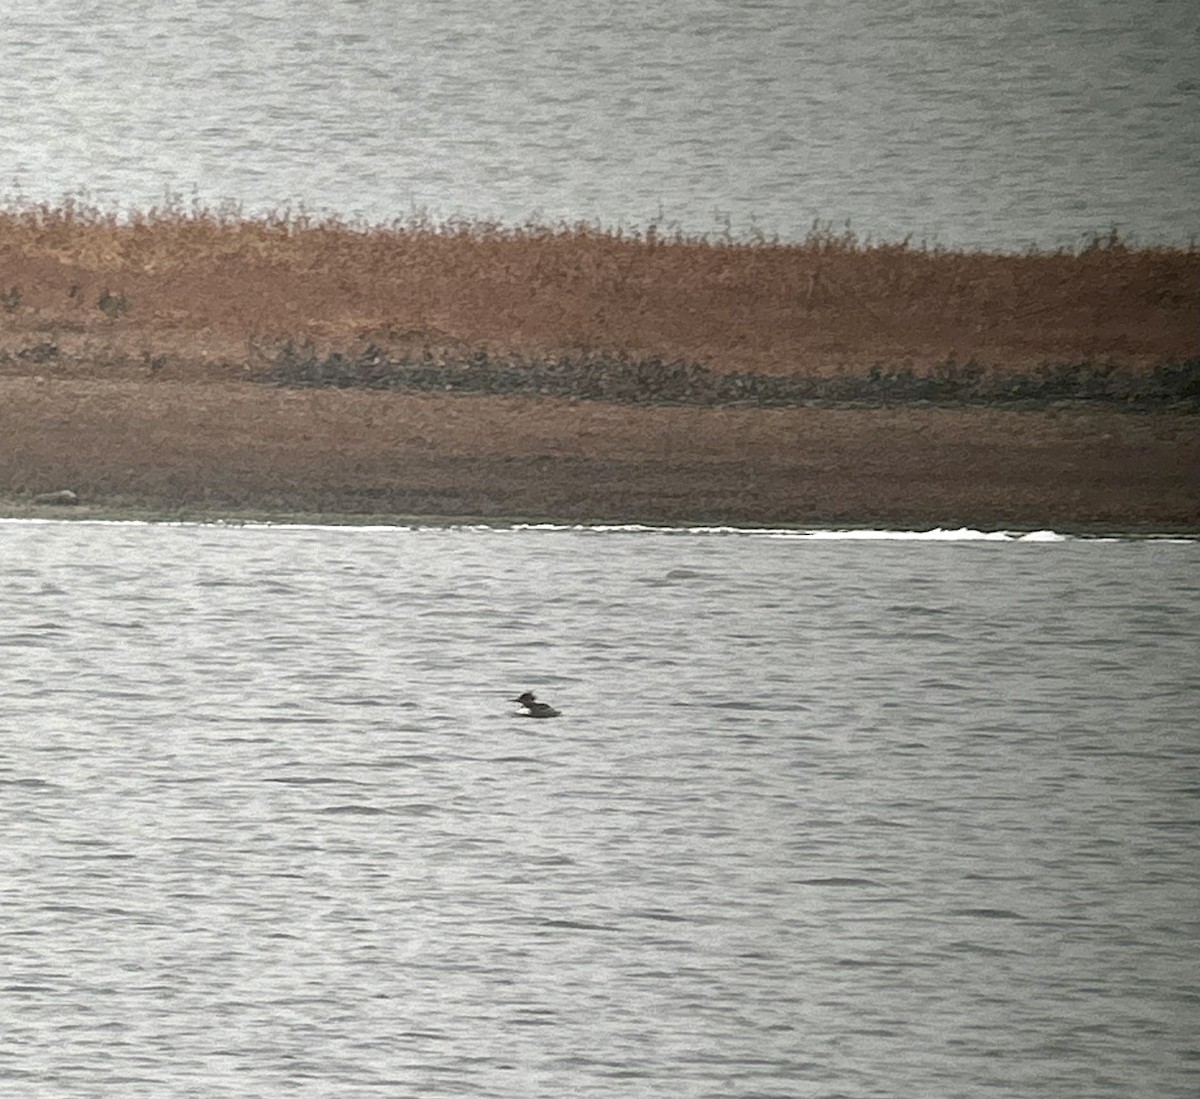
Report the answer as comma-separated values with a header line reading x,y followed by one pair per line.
x,y
199,289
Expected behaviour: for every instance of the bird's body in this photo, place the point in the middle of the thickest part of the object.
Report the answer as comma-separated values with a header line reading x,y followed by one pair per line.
x,y
534,708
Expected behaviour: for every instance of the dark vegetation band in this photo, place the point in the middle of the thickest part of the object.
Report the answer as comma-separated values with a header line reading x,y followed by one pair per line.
x,y
624,379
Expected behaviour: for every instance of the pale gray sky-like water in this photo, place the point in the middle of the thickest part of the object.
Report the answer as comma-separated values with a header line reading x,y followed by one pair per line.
x,y
974,125
821,817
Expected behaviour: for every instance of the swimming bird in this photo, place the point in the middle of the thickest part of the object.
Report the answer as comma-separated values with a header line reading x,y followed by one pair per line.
x,y
534,708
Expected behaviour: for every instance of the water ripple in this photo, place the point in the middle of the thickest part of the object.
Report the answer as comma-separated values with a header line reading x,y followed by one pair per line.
x,y
820,848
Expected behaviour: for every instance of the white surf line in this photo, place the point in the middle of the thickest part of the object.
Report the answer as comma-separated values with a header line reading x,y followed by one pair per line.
x,y
824,534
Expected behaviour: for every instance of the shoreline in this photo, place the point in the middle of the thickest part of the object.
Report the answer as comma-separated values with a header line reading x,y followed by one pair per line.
x,y
18,510
238,450
13,511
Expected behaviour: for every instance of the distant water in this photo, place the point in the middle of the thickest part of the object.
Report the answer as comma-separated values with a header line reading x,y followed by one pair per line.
x,y
823,817
973,124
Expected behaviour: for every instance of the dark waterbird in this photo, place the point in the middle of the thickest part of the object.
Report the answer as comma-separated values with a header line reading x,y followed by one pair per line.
x,y
534,708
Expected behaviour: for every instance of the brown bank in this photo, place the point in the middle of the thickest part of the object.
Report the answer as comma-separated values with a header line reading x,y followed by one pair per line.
x,y
216,448
202,364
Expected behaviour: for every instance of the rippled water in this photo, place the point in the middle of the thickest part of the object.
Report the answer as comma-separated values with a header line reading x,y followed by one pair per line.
x,y
821,817
973,124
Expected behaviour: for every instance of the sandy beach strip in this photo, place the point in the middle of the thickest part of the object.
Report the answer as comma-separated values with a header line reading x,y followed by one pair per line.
x,y
235,447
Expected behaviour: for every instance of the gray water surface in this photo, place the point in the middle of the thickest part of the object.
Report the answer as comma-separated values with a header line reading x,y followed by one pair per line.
x,y
973,124
820,818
